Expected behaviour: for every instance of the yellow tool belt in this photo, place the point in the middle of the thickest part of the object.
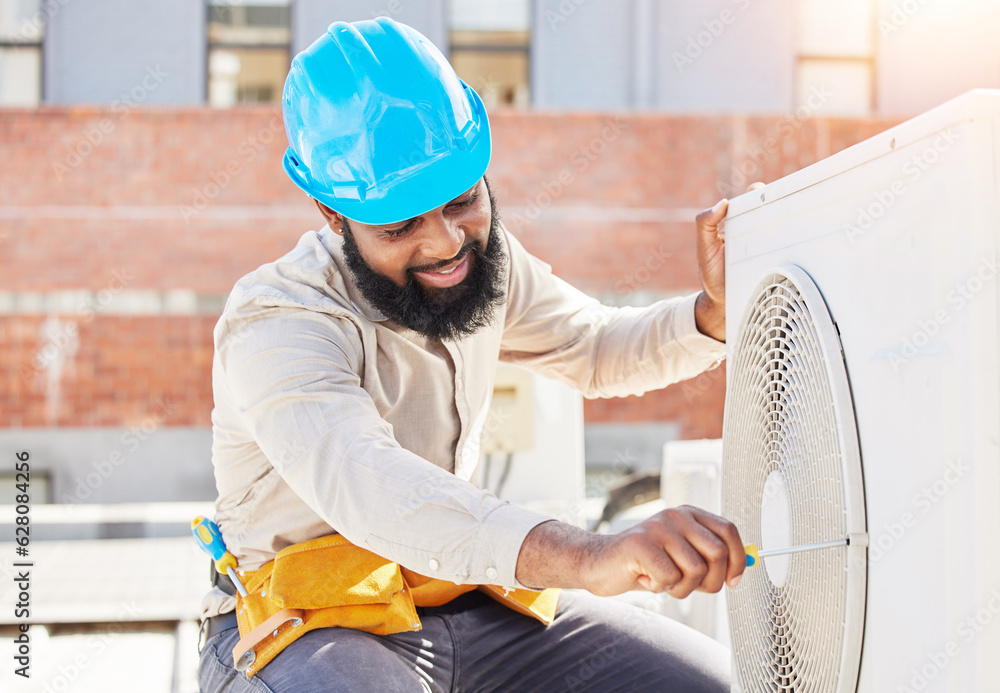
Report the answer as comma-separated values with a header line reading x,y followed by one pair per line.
x,y
329,582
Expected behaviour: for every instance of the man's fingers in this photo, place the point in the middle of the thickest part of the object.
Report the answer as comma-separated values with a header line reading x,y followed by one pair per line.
x,y
659,571
714,553
709,221
691,563
680,550
726,531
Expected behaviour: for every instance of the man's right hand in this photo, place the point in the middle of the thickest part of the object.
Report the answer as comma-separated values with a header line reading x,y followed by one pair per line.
x,y
678,551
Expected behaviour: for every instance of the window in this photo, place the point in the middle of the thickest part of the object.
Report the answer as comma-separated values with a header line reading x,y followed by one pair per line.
x,y
836,64
489,43
40,488
21,24
249,51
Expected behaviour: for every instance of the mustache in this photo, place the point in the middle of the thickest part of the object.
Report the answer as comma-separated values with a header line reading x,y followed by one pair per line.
x,y
466,249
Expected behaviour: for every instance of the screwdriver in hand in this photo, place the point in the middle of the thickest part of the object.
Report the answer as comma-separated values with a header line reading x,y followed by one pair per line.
x,y
209,538
754,555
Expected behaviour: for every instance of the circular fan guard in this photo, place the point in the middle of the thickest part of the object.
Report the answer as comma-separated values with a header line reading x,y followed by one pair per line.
x,y
789,411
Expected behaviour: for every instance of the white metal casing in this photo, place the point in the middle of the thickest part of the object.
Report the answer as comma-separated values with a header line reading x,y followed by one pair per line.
x,y
900,233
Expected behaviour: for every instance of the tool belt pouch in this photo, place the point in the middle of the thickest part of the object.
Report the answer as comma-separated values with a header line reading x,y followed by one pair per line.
x,y
329,582
322,583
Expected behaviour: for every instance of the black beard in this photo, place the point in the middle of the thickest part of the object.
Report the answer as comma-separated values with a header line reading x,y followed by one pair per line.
x,y
440,314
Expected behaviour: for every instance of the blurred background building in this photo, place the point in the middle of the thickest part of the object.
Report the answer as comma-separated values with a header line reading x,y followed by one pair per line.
x,y
139,179
875,57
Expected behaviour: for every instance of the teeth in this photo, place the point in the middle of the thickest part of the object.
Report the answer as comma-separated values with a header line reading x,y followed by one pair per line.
x,y
449,271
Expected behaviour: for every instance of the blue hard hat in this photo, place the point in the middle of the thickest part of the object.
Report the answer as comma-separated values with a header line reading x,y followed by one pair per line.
x,y
380,128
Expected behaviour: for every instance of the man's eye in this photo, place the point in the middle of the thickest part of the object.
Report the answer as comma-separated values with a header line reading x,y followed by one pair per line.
x,y
399,231
468,201
393,233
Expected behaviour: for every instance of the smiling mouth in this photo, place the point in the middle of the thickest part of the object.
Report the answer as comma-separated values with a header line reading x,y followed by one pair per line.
x,y
452,274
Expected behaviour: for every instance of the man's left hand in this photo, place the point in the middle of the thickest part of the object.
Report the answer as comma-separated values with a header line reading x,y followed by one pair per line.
x,y
710,308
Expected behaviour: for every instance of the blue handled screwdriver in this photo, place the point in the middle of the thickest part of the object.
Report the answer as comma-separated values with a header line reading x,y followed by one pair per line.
x,y
754,555
209,538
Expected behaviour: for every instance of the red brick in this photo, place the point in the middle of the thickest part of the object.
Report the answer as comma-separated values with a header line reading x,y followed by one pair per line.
x,y
156,161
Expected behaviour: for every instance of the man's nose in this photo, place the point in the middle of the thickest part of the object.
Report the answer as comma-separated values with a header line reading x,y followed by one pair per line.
x,y
442,238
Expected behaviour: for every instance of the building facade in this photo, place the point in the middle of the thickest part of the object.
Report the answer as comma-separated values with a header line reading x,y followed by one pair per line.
x,y
128,208
866,57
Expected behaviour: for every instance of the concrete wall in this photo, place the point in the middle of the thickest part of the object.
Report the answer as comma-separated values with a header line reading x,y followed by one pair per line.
x,y
711,57
725,55
149,461
582,55
641,54
310,18
111,51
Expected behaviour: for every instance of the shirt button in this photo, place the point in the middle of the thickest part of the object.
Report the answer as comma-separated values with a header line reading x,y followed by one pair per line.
x,y
491,573
433,563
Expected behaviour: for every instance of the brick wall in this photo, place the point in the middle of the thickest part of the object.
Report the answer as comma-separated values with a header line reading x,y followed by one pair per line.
x,y
121,231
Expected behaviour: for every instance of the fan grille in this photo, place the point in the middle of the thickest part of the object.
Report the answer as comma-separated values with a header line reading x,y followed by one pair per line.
x,y
788,411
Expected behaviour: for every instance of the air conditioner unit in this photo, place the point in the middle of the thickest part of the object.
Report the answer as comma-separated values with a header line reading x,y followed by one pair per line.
x,y
863,405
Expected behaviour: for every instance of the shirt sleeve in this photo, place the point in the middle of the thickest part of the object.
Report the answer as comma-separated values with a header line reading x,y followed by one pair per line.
x,y
557,331
294,377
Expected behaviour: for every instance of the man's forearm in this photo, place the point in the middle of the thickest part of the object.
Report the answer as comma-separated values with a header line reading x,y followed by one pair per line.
x,y
554,553
678,550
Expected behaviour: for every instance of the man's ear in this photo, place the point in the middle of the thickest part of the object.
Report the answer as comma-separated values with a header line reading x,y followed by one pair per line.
x,y
334,219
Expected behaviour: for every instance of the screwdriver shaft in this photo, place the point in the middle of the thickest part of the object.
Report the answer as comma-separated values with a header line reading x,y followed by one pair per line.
x,y
803,547
237,582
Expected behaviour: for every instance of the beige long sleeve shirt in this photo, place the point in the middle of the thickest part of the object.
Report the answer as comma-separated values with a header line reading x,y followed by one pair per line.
x,y
328,417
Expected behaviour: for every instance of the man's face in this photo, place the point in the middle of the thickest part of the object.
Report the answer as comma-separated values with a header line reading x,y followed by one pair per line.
x,y
441,273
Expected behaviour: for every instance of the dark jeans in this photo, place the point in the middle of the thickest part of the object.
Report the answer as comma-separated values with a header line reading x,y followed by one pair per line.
x,y
476,644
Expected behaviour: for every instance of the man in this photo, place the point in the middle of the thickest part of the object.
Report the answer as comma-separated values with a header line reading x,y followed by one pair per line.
x,y
352,379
